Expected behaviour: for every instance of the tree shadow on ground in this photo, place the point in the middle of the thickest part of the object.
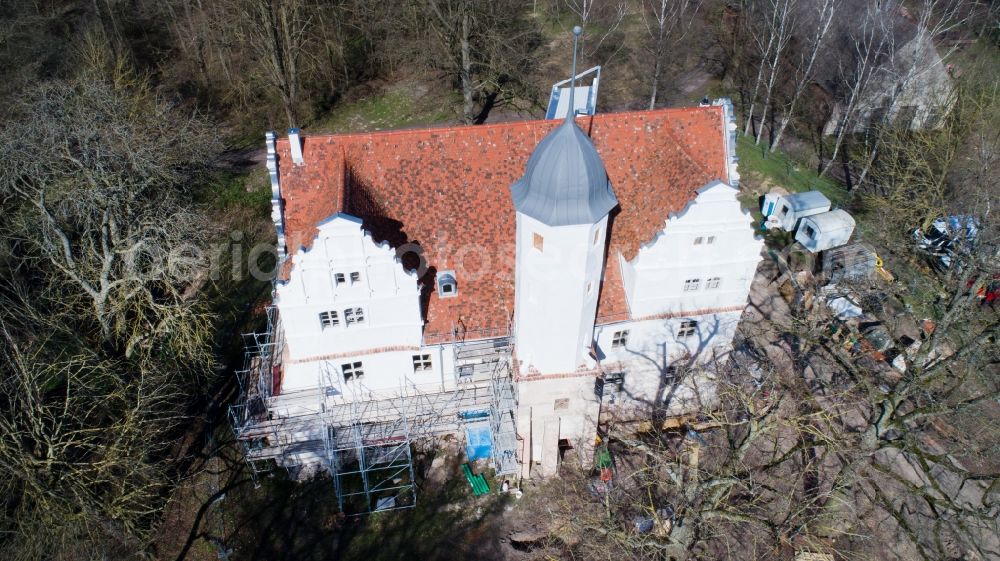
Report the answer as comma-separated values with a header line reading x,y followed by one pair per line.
x,y
285,519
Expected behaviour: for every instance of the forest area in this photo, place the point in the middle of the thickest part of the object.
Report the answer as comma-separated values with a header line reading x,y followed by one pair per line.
x,y
135,205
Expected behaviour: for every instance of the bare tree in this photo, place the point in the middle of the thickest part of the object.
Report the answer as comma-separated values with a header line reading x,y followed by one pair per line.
x,y
278,31
487,46
81,444
92,182
866,46
769,24
103,317
667,23
806,63
904,66
606,16
879,68
779,28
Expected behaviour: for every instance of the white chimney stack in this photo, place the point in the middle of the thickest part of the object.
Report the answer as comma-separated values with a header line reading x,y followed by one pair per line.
x,y
295,142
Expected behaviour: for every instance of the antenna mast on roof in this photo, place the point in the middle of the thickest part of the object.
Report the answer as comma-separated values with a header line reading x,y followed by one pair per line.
x,y
571,115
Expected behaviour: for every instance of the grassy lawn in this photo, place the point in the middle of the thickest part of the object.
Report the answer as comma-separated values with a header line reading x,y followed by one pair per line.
x,y
287,519
399,107
775,168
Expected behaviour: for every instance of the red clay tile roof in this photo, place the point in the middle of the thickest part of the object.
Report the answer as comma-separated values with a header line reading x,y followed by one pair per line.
x,y
448,190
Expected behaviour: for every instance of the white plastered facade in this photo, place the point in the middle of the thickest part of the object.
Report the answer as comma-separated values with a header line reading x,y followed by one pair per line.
x,y
342,272
677,327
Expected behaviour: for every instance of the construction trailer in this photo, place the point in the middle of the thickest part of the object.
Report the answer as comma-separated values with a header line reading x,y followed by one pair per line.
x,y
785,211
826,230
854,262
365,439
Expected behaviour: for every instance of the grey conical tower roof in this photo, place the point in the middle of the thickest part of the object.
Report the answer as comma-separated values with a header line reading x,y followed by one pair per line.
x,y
565,181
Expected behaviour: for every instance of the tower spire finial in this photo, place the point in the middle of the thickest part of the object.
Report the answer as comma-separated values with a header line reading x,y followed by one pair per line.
x,y
571,115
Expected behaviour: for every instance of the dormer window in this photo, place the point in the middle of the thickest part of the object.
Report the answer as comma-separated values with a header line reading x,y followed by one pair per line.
x,y
447,285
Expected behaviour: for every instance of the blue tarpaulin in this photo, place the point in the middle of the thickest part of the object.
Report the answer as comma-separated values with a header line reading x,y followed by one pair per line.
x,y
478,442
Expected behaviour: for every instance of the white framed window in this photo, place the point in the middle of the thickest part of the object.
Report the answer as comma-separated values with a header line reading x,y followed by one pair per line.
x,y
698,240
710,240
561,404
421,363
339,278
352,371
688,328
712,283
354,315
328,319
355,277
538,241
619,339
590,287
691,285
597,236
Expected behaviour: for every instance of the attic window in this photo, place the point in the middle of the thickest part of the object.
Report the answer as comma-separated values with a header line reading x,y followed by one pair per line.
x,y
339,278
712,283
784,210
691,285
710,240
561,404
355,277
447,285
538,241
597,236
698,240
810,232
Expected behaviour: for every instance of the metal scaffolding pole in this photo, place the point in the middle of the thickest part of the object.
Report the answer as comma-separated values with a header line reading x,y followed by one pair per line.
x,y
364,437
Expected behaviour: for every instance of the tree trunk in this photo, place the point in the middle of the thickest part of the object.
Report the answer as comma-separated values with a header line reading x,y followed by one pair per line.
x,y
656,81
468,108
826,18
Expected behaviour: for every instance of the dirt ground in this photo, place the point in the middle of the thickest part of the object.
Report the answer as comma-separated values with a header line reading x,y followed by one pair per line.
x,y
220,513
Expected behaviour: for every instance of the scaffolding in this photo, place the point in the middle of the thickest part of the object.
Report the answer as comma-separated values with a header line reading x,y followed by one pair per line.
x,y
490,359
364,437
256,386
368,452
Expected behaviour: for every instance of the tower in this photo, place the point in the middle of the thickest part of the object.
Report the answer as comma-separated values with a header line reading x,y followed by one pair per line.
x,y
562,205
